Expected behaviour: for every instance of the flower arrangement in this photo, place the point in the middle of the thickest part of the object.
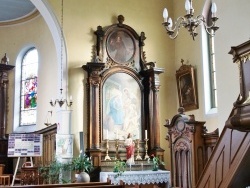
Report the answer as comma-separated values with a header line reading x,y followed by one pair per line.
x,y
156,162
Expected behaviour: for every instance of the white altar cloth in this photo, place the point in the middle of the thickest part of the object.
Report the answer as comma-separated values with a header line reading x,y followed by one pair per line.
x,y
138,177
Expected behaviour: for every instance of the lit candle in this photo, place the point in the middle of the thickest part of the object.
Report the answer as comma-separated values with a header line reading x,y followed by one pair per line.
x,y
146,134
107,134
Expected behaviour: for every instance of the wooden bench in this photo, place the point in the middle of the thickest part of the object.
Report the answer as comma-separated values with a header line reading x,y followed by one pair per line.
x,y
85,185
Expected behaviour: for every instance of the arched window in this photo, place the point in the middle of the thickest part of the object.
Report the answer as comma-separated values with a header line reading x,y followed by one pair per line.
x,y
209,68
28,88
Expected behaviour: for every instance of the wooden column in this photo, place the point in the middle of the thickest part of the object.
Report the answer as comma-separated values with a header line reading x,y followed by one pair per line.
x,y
4,68
154,119
93,86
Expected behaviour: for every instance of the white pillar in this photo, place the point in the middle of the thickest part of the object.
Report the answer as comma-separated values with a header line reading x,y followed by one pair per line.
x,y
64,121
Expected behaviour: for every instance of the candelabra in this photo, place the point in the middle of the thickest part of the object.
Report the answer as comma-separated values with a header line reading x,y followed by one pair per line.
x,y
107,151
61,101
146,149
116,147
138,157
189,22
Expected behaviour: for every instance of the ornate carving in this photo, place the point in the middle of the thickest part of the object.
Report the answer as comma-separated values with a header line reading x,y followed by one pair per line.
x,y
110,63
182,145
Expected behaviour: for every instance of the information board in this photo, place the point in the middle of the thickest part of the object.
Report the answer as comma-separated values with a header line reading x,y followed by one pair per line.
x,y
25,145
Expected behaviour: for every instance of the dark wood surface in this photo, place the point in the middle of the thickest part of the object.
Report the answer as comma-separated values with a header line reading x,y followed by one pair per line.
x,y
190,144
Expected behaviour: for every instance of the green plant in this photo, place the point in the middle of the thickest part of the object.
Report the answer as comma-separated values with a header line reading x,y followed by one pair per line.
x,y
51,173
119,167
82,163
156,162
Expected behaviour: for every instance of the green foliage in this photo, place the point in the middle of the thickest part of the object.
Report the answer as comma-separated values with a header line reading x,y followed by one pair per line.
x,y
156,162
51,172
119,167
82,163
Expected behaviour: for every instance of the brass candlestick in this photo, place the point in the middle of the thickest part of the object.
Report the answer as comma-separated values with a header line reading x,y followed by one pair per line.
x,y
146,149
107,151
138,157
116,147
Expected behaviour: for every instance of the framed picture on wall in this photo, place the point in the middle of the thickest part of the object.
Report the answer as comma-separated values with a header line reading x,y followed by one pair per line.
x,y
186,85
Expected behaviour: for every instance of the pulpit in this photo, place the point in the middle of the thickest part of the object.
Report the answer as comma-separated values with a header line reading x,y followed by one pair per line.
x,y
190,146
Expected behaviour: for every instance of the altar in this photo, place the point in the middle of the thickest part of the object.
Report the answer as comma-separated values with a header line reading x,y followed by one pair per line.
x,y
147,178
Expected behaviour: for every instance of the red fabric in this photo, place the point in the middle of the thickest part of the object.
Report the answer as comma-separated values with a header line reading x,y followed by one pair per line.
x,y
130,151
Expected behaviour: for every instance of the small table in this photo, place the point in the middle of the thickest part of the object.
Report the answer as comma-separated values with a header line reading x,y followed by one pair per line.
x,y
138,177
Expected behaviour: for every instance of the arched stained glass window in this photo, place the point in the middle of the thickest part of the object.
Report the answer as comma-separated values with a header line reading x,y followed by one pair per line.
x,y
29,77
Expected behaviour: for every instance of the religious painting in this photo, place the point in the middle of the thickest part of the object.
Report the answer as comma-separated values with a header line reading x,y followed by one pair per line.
x,y
121,107
186,85
120,46
64,145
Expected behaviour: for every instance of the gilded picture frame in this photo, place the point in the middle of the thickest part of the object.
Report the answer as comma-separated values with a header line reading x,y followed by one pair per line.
x,y
186,86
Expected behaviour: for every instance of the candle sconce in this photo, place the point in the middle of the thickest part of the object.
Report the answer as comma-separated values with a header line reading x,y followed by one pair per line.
x,y
107,151
138,157
146,149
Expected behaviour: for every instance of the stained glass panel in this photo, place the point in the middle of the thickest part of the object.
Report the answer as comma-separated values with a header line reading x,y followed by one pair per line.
x,y
29,88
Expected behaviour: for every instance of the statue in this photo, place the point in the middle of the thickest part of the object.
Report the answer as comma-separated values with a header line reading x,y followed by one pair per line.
x,y
130,149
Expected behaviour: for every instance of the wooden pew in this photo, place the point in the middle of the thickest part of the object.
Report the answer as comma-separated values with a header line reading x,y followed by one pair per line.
x,y
85,185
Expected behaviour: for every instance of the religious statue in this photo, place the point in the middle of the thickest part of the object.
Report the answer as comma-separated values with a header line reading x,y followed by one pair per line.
x,y
130,148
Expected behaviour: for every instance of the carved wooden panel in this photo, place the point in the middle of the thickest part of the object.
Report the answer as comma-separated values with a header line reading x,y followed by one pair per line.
x,y
190,147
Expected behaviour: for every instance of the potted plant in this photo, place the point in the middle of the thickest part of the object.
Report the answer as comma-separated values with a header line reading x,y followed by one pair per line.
x,y
156,162
82,165
119,167
51,173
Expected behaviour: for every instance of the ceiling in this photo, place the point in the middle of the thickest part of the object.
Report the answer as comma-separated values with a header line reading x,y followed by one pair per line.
x,y
13,11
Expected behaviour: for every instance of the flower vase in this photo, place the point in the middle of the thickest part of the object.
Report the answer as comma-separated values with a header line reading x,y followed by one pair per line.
x,y
82,177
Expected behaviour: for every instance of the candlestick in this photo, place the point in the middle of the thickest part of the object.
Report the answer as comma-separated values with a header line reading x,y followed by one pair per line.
x,y
117,147
138,150
107,151
146,149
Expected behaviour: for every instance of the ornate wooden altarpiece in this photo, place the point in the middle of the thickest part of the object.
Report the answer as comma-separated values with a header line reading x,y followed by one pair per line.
x,y
122,94
4,100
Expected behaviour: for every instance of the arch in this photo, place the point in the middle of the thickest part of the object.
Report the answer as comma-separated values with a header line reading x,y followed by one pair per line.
x,y
59,40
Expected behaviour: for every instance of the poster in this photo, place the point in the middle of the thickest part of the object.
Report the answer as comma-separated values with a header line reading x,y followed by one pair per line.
x,y
25,145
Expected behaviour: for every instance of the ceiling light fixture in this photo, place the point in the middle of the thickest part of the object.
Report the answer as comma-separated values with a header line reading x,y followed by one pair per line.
x,y
189,22
61,101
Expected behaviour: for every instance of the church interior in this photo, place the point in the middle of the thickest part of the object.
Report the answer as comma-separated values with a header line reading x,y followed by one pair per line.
x,y
111,71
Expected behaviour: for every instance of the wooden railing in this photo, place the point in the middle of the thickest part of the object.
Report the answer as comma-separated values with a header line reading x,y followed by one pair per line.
x,y
228,166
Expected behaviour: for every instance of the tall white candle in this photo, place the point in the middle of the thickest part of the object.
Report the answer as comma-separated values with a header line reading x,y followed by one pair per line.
x,y
138,134
117,134
146,134
107,134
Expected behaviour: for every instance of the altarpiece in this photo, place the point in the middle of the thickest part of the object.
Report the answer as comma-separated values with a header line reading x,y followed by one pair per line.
x,y
122,93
